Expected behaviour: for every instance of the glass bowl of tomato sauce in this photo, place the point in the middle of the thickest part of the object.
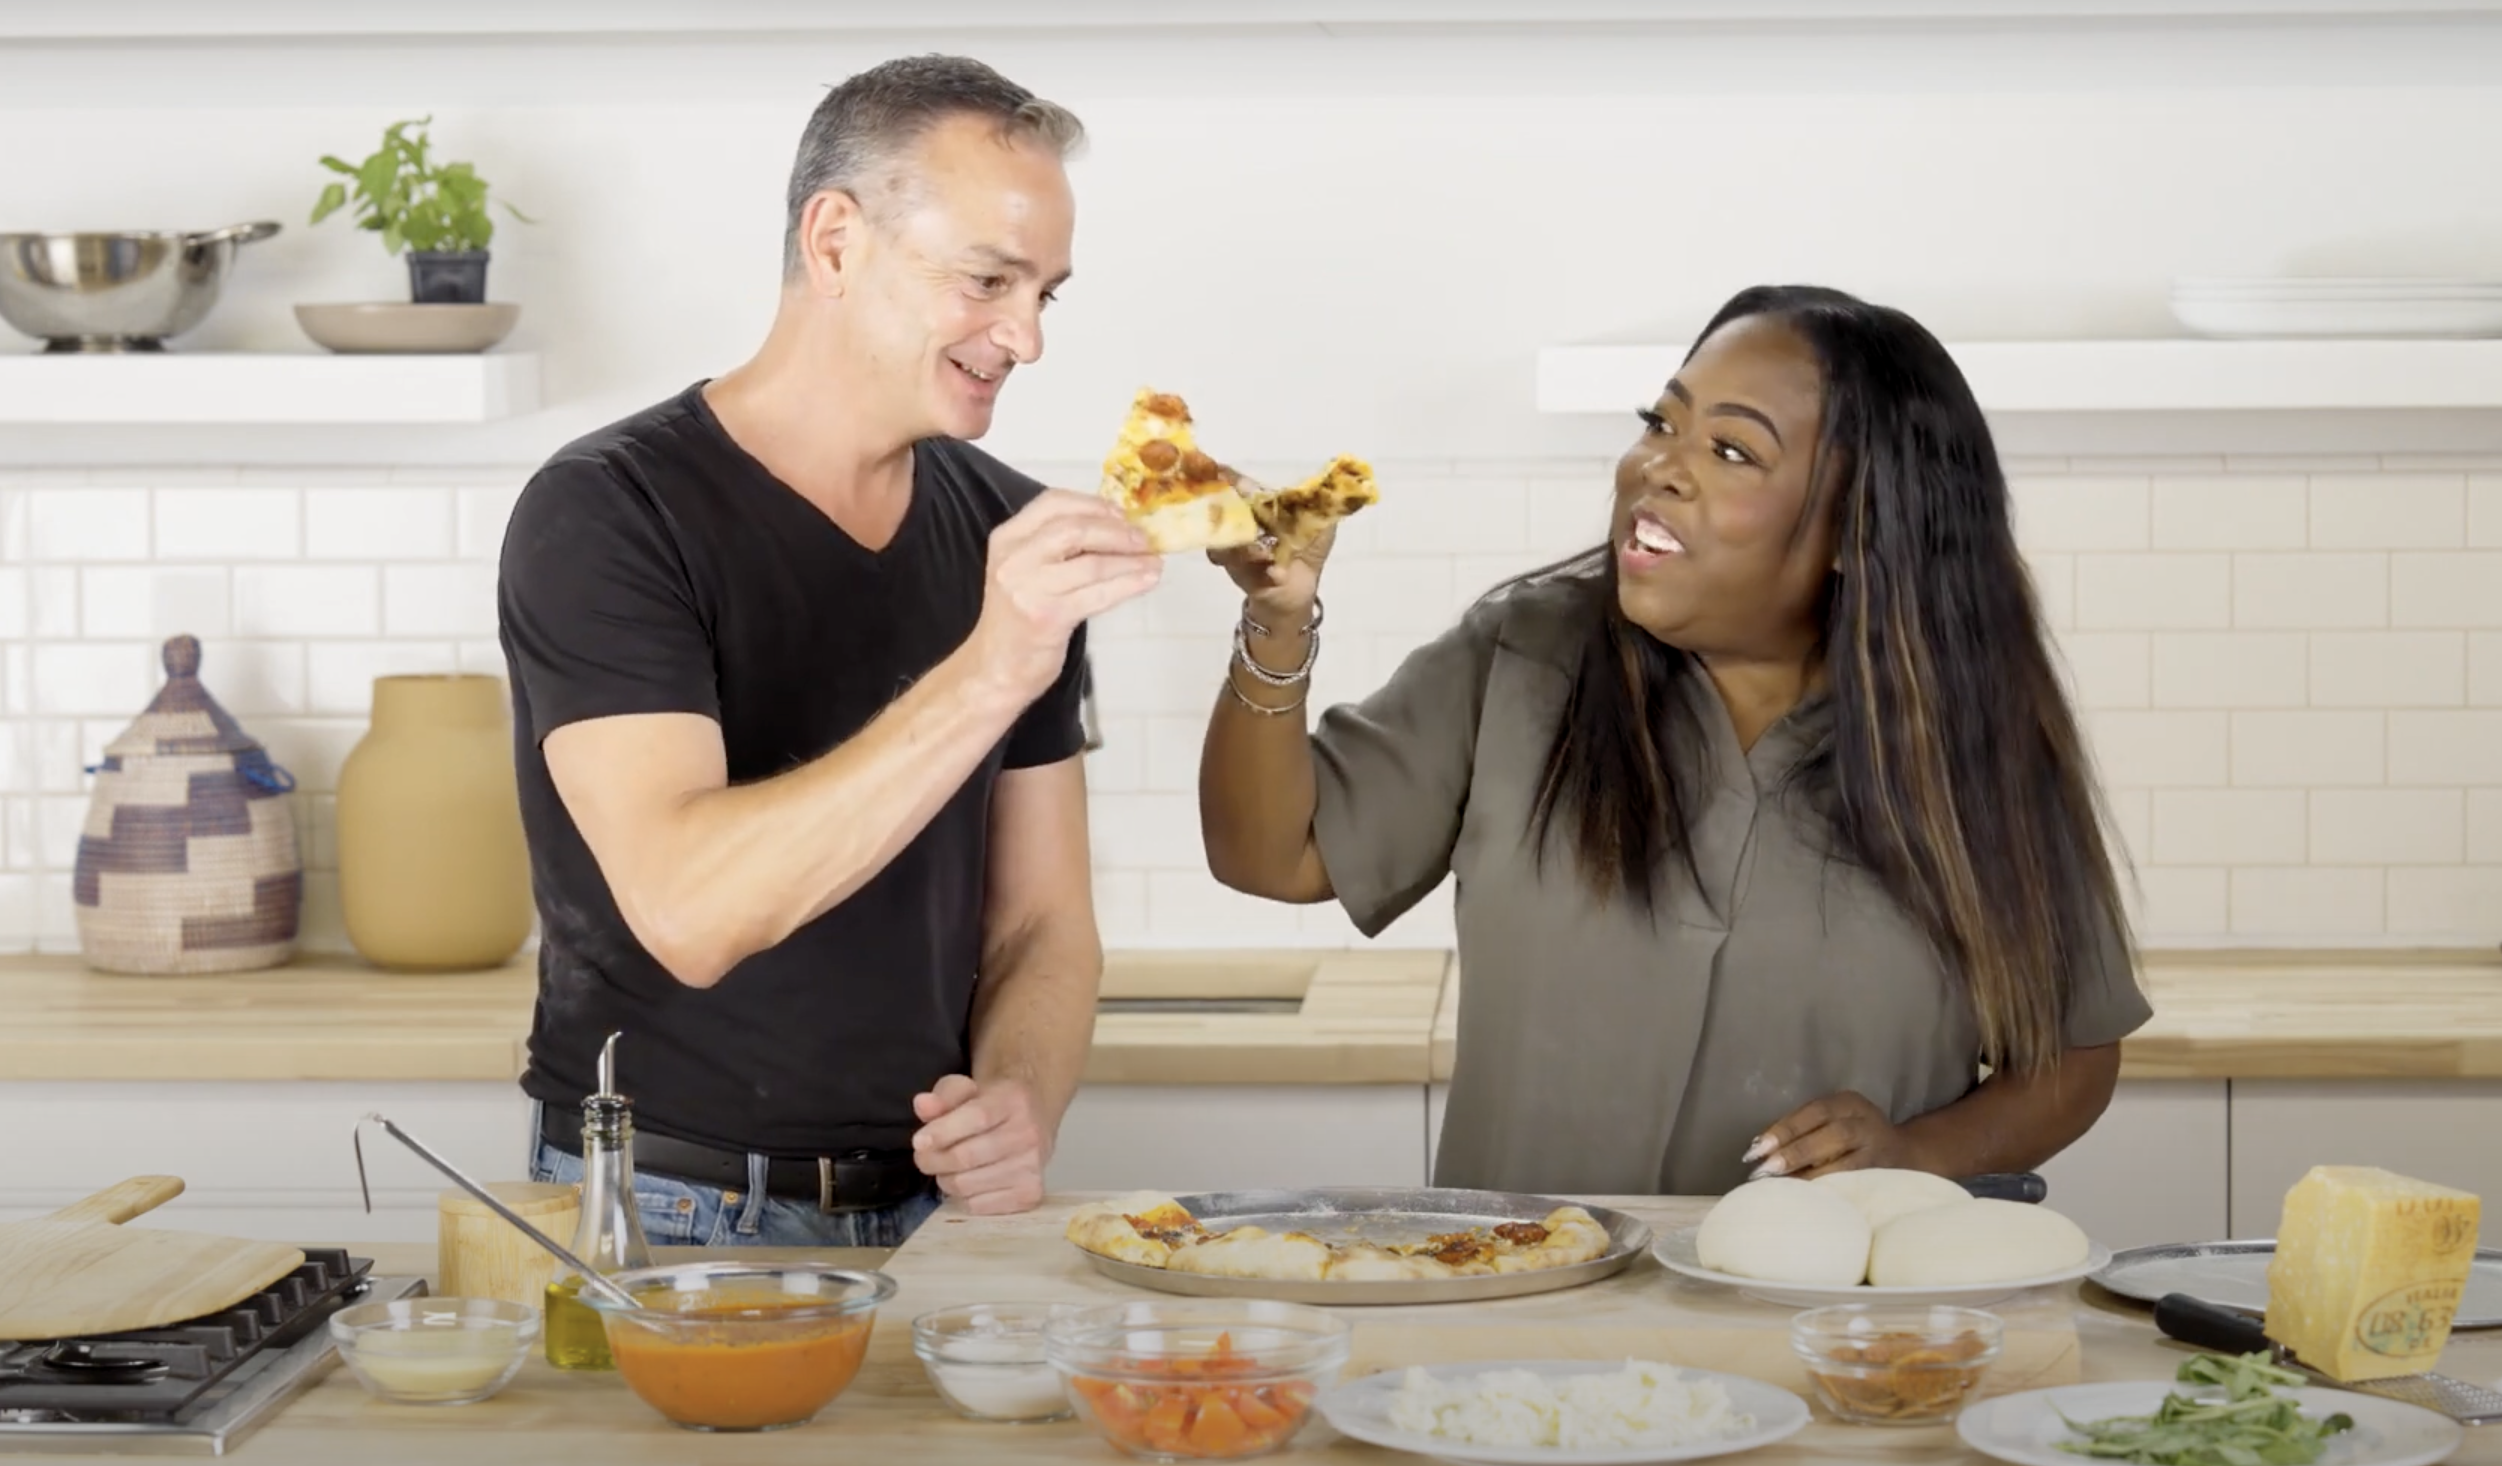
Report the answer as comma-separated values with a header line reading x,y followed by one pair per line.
x,y
741,1346
1197,1379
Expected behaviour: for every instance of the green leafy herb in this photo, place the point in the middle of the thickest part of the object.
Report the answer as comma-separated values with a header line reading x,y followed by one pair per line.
x,y
411,201
2236,1419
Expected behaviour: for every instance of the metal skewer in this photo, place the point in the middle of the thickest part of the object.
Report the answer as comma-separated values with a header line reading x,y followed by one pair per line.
x,y
591,1276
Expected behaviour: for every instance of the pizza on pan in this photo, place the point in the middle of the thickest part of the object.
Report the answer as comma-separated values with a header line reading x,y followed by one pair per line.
x,y
1183,499
1152,1230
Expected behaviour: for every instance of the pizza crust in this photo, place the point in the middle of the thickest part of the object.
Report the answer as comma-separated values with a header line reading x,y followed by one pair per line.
x,y
1255,1252
1299,517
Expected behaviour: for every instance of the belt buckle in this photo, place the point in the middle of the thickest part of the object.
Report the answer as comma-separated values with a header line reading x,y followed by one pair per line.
x,y
825,1183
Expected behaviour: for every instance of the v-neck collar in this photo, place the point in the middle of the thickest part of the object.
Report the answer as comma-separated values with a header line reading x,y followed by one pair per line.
x,y
1778,750
699,409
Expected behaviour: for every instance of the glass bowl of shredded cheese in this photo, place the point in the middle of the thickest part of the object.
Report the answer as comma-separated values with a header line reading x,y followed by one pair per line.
x,y
1910,1364
1197,1379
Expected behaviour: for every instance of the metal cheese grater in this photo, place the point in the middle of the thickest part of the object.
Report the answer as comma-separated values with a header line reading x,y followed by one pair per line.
x,y
2205,1325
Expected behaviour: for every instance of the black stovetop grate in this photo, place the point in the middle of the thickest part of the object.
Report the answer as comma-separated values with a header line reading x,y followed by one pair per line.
x,y
154,1372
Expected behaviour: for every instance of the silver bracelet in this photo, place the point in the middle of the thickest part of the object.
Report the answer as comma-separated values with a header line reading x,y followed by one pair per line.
x,y
1320,613
1250,664
1264,712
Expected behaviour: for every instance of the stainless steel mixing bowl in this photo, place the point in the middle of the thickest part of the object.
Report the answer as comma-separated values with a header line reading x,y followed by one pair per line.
x,y
116,291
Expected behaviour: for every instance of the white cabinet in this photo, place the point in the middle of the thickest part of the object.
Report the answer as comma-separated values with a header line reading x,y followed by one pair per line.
x,y
2447,1131
1239,1137
272,1160
2153,1168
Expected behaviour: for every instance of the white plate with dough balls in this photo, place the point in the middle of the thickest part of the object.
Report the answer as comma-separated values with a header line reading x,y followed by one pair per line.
x,y
1875,1236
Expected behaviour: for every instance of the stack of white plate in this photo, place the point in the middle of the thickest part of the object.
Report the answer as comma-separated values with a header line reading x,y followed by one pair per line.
x,y
2352,306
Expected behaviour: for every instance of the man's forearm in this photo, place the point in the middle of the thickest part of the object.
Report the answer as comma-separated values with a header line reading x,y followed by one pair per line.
x,y
1034,1014
2015,1123
740,868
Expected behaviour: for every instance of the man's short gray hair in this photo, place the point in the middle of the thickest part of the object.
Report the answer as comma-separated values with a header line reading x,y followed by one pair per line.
x,y
857,136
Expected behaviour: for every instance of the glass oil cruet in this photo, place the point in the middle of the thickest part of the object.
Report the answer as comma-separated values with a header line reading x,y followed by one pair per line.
x,y
610,1236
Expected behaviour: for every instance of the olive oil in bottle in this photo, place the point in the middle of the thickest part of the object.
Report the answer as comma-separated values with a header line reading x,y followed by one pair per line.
x,y
610,1236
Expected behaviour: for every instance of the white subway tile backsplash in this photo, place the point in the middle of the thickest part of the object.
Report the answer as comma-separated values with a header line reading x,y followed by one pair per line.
x,y
2389,511
2452,903
2446,749
2075,513
2388,826
339,675
378,524
2153,592
2484,668
2229,827
2226,512
2158,750
230,525
2484,511
153,601
2180,898
2317,591
2484,827
94,677
88,524
52,601
2463,589
2315,902
438,600
307,600
2388,669
2230,669
2303,750
2289,670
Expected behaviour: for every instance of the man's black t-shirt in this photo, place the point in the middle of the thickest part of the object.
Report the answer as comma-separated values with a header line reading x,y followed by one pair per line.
x,y
654,566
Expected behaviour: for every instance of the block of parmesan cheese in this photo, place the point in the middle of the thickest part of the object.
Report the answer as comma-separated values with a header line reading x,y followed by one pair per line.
x,y
2369,1270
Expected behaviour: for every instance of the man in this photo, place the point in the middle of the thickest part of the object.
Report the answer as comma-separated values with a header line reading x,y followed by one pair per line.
x,y
796,679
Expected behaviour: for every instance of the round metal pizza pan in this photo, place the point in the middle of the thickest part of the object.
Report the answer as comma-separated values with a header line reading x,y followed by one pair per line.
x,y
2234,1275
1349,1214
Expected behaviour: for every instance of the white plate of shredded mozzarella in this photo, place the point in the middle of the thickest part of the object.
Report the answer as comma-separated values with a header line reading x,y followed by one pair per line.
x,y
1563,1412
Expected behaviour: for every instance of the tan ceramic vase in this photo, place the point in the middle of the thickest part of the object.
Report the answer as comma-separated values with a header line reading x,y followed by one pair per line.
x,y
433,871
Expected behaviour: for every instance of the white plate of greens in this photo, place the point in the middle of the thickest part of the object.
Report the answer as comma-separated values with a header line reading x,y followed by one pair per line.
x,y
2220,1410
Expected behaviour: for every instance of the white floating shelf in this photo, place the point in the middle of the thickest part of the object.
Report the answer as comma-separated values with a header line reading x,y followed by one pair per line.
x,y
2155,376
254,388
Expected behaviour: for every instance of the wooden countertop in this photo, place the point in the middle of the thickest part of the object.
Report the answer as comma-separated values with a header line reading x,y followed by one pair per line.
x,y
2238,1013
2054,1336
1363,1018
1372,1016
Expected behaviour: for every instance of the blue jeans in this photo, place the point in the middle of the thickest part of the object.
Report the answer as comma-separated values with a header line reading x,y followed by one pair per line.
x,y
677,1213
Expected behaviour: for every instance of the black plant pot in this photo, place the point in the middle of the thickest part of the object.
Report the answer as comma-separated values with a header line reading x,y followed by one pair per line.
x,y
447,277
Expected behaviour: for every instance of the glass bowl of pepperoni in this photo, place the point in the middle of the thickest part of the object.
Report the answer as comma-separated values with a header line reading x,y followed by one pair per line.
x,y
1192,1379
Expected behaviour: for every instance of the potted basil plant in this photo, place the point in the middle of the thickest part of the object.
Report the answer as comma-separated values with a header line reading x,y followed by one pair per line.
x,y
434,212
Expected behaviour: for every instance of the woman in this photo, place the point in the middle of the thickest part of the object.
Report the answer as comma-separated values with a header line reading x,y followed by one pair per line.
x,y
1770,822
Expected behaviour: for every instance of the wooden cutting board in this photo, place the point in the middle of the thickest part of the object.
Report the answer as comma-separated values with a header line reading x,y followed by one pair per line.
x,y
78,1271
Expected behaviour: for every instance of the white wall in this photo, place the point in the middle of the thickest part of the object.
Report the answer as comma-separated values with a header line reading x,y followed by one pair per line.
x,y
1348,240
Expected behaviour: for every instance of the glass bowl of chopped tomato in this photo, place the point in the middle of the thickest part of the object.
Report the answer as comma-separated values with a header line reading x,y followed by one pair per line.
x,y
1197,1379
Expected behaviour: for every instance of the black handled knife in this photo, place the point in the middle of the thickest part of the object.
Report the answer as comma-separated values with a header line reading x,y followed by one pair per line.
x,y
2021,1186
2221,1330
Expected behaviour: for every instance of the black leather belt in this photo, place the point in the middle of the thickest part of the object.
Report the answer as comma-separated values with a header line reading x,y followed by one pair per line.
x,y
852,1180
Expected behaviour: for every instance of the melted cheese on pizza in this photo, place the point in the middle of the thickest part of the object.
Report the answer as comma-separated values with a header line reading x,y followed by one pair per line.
x,y
1182,498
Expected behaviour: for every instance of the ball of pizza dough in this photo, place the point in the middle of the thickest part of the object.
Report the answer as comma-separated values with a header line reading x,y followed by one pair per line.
x,y
1975,1240
1882,1194
1784,1230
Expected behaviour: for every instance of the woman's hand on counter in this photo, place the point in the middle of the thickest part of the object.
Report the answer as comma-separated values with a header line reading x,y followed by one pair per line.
x,y
1841,1132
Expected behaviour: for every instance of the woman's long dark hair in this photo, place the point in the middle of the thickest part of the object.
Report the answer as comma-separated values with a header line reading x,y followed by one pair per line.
x,y
1953,771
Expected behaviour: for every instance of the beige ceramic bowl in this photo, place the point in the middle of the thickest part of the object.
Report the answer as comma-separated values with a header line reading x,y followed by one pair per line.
x,y
400,327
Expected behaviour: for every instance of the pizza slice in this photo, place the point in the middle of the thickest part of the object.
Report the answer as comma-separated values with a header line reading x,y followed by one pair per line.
x,y
1143,1227
1179,496
1255,1252
1296,518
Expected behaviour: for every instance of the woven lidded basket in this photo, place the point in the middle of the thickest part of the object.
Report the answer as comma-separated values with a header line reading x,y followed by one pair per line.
x,y
188,862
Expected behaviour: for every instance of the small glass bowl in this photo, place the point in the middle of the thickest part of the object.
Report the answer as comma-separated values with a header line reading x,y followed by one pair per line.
x,y
434,1351
1197,1379
1903,1364
986,1360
